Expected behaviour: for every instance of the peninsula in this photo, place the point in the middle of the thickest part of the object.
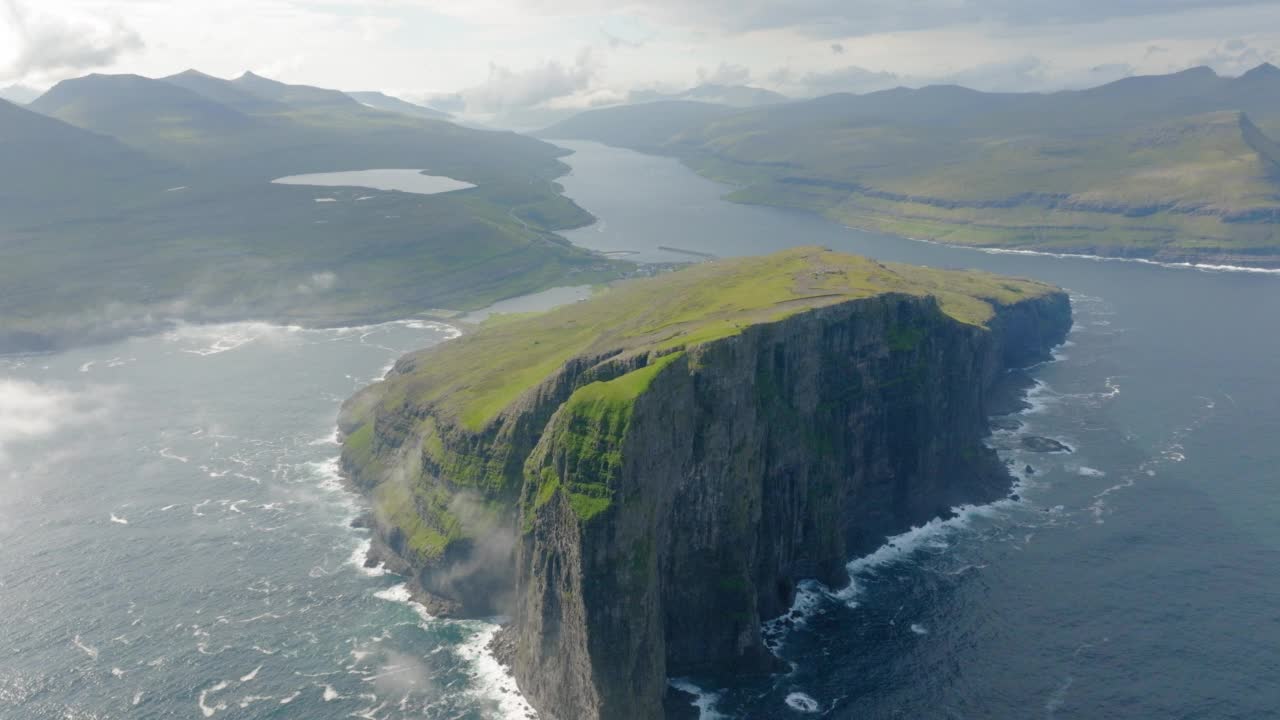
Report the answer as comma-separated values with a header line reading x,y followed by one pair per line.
x,y
639,479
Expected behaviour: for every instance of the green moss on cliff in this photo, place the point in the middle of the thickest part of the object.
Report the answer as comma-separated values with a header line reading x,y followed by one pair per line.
x,y
588,436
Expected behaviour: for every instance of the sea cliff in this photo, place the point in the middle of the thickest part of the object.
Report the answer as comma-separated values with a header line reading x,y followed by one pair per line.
x,y
640,479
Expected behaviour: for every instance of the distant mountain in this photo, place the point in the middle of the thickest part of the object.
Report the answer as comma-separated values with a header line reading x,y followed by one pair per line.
x,y
1172,167
382,101
731,95
224,92
644,126
47,162
298,95
127,201
131,106
19,94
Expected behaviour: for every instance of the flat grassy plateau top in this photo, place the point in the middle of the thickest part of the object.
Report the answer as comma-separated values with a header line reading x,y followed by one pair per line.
x,y
474,378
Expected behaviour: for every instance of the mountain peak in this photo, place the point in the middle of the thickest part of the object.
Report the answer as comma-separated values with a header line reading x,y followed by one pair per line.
x,y
1265,70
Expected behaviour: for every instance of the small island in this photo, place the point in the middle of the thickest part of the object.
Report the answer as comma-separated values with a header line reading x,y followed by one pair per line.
x,y
639,479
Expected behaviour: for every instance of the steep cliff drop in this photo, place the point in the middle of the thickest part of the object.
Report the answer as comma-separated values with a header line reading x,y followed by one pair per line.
x,y
639,479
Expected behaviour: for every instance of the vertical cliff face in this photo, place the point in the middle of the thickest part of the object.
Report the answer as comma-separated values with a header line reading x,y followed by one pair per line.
x,y
641,479
745,466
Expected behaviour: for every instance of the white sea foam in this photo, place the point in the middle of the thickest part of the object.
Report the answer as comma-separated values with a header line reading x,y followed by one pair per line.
x,y
89,650
206,340
919,629
1089,472
400,593
209,710
117,672
167,508
703,700
170,455
137,697
330,694
250,675
800,702
492,681
326,200
290,697
359,556
118,520
1205,267
330,439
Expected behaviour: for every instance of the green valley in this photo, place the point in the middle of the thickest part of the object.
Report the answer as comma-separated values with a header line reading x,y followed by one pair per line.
x,y
148,200
1174,168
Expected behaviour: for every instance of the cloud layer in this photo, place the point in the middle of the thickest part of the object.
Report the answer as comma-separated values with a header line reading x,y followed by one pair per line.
x,y
50,44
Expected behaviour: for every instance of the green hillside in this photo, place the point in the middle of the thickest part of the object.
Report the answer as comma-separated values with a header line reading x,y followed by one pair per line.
x,y
1176,167
160,203
381,101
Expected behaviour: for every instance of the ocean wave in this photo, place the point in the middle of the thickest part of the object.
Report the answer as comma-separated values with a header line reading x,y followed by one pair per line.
x,y
801,702
1204,267
400,594
704,700
492,682
360,554
215,339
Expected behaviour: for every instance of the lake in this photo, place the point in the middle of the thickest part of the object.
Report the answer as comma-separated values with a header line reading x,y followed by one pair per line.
x,y
410,181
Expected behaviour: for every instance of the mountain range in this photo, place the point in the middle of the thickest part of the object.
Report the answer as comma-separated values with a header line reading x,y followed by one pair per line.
x,y
1178,167
127,200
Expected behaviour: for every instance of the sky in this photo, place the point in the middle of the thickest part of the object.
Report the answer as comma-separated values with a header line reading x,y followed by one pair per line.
x,y
492,56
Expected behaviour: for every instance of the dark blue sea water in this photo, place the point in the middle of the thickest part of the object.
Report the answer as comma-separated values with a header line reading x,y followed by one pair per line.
x,y
174,542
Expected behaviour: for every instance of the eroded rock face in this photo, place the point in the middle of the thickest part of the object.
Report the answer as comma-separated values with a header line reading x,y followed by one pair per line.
x,y
654,524
748,465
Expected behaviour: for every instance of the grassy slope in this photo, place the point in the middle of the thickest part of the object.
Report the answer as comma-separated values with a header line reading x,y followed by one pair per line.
x,y
476,377
1164,166
232,245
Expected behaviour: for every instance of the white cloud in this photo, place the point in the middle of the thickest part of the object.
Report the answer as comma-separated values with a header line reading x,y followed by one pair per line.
x,y
506,89
44,44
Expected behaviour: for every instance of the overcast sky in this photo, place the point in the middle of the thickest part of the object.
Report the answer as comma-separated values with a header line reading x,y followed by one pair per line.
x,y
506,54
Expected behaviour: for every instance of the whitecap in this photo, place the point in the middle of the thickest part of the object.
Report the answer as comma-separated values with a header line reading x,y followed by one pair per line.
x,y
330,439
330,694
117,672
400,594
919,629
801,702
290,697
169,454
89,650
1204,267
118,520
208,710
1089,472
251,675
703,700
492,681
360,555
137,697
